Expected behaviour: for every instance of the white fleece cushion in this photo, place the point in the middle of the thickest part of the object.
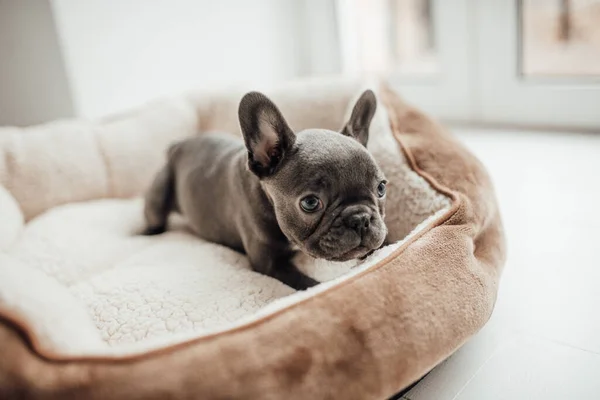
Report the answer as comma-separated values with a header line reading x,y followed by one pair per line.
x,y
167,287
11,219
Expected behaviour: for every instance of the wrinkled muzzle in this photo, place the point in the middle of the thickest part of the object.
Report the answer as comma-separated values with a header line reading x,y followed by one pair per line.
x,y
353,233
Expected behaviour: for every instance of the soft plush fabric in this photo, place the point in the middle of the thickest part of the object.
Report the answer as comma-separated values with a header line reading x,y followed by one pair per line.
x,y
91,309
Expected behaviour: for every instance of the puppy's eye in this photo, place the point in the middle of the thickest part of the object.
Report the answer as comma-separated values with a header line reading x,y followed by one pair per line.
x,y
381,189
310,203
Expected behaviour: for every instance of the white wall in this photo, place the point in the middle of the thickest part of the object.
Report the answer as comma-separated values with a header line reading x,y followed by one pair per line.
x,y
33,82
122,53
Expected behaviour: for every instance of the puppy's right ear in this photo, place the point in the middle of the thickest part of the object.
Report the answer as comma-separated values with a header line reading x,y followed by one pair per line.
x,y
360,120
267,136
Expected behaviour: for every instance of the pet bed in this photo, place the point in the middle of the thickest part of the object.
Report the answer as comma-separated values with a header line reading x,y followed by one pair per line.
x,y
89,309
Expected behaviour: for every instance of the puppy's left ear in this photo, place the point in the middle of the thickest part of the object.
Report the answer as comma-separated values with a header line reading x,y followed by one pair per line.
x,y
360,119
266,133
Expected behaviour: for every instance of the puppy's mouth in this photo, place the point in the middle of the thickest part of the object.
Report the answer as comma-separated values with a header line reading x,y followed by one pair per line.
x,y
367,254
359,252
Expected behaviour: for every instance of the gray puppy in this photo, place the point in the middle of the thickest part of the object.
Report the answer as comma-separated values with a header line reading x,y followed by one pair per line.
x,y
319,190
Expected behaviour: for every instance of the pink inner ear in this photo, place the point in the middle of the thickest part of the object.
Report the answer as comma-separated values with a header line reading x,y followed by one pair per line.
x,y
266,147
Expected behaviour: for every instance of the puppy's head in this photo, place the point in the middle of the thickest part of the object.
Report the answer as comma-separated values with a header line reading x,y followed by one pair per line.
x,y
327,191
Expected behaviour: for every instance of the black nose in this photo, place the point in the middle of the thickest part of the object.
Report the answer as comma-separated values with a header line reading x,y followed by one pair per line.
x,y
359,222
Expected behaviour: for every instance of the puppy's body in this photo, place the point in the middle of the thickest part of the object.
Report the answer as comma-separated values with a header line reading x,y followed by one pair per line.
x,y
217,194
209,183
259,198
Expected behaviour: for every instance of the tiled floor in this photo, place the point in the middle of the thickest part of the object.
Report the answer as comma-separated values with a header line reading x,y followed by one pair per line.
x,y
543,340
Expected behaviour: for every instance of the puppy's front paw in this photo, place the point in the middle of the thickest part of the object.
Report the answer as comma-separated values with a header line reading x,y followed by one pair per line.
x,y
304,282
153,230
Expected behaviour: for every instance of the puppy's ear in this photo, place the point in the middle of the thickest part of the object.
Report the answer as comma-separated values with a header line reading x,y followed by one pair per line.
x,y
360,119
266,134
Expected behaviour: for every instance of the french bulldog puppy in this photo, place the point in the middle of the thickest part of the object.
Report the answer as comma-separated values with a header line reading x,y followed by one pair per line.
x,y
318,190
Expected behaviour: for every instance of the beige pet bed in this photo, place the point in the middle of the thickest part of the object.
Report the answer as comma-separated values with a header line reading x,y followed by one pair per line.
x,y
89,309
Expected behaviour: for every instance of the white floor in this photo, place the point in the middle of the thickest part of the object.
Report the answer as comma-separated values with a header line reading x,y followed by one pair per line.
x,y
543,340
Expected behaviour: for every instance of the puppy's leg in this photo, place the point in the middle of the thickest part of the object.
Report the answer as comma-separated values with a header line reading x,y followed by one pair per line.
x,y
159,201
278,265
285,271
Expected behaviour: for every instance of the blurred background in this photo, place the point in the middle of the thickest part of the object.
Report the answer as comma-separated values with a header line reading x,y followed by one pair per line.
x,y
517,80
525,63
